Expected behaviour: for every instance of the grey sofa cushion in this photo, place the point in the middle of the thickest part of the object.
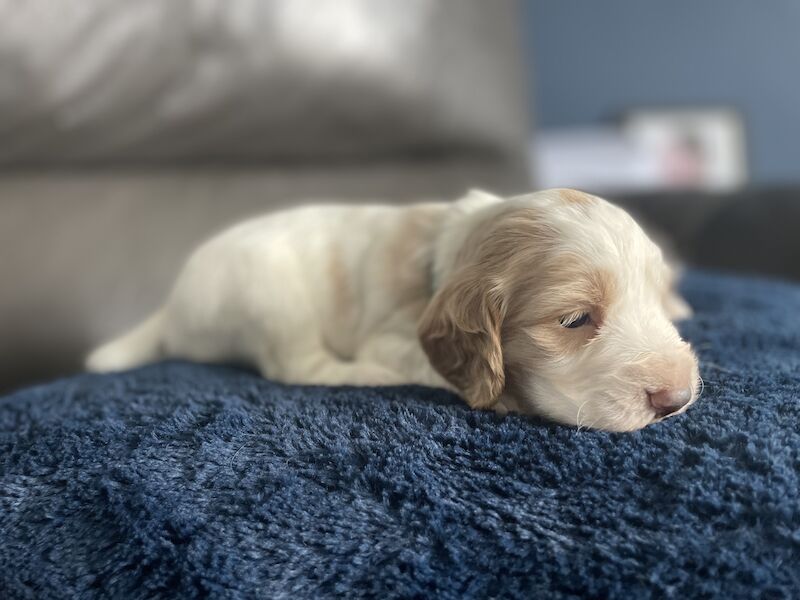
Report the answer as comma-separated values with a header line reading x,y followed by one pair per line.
x,y
186,80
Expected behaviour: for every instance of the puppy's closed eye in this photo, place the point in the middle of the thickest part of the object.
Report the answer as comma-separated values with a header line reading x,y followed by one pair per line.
x,y
576,320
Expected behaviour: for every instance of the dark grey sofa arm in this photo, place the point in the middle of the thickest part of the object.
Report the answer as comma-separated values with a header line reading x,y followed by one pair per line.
x,y
753,231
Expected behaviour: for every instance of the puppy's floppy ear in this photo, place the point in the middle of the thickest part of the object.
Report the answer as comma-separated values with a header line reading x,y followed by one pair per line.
x,y
460,333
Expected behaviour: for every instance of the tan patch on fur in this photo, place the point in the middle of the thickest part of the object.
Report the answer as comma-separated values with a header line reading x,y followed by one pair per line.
x,y
342,292
576,197
341,314
406,275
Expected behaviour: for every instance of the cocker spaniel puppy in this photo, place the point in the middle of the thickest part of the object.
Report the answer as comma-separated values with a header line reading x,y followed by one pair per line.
x,y
554,303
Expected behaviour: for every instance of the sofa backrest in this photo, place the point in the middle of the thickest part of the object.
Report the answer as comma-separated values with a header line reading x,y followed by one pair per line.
x,y
153,81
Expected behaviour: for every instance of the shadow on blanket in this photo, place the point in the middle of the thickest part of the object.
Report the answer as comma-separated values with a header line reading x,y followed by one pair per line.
x,y
179,480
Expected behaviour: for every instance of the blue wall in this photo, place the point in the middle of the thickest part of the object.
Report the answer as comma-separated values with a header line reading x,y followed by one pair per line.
x,y
594,59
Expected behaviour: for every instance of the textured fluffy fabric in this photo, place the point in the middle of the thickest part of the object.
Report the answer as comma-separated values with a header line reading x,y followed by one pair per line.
x,y
180,480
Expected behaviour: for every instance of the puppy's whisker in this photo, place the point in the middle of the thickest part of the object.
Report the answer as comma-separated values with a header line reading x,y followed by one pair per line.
x,y
578,416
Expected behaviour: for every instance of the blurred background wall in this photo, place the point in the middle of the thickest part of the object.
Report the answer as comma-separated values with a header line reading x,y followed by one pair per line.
x,y
593,61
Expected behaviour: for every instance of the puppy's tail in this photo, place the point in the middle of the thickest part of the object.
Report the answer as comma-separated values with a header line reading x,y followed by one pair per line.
x,y
139,346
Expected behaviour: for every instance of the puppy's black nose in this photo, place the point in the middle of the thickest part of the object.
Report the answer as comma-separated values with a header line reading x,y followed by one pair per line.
x,y
668,401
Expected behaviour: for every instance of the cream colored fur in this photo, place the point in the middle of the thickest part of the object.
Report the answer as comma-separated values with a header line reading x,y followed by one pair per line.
x,y
469,296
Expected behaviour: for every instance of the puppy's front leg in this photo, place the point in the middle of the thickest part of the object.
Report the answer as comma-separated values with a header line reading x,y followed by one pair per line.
x,y
320,367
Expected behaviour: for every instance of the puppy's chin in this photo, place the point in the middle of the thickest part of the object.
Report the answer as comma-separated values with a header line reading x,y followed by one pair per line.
x,y
585,411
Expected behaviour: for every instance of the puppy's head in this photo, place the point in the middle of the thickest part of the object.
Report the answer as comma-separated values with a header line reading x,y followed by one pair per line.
x,y
558,304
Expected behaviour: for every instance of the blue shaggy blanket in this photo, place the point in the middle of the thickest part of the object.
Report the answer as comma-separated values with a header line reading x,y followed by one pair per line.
x,y
180,480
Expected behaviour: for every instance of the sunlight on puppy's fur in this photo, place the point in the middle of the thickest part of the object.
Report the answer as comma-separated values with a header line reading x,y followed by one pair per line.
x,y
554,303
